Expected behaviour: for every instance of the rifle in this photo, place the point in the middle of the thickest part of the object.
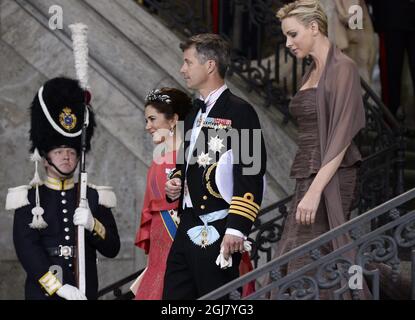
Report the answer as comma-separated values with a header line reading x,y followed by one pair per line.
x,y
80,47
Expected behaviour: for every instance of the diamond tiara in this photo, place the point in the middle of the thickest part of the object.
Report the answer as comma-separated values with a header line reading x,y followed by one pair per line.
x,y
157,96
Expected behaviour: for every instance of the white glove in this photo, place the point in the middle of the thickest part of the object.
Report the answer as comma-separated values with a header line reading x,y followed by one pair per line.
x,y
69,292
223,263
83,217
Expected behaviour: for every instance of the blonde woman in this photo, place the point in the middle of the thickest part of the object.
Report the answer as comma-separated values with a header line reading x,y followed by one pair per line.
x,y
329,110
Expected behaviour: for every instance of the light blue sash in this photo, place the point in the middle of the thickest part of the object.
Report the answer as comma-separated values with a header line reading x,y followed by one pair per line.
x,y
205,235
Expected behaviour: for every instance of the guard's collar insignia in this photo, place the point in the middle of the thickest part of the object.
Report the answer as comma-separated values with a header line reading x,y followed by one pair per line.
x,y
56,184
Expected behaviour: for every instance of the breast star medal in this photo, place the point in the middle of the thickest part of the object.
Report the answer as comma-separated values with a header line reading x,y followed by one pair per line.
x,y
216,144
203,159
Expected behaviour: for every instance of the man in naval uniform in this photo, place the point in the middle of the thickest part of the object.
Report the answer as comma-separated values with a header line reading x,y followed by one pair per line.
x,y
217,212
46,213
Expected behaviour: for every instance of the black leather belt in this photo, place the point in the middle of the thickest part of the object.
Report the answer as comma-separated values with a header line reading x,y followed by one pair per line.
x,y
61,251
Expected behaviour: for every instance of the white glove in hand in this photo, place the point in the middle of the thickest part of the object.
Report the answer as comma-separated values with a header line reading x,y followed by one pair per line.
x,y
223,263
83,217
69,292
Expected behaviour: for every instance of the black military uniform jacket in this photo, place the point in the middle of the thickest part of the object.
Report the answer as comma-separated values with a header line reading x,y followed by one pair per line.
x,y
234,121
38,249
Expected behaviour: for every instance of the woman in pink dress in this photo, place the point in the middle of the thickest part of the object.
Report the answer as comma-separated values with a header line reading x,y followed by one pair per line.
x,y
163,109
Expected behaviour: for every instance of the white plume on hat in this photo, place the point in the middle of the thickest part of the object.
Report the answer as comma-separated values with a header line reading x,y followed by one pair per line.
x,y
80,45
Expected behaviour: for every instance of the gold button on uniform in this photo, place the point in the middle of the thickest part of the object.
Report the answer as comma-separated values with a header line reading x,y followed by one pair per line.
x,y
204,197
202,207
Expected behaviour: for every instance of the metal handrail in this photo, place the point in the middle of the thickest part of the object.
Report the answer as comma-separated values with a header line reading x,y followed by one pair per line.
x,y
349,227
115,287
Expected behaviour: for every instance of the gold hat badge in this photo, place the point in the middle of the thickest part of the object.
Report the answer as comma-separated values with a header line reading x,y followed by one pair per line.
x,y
67,119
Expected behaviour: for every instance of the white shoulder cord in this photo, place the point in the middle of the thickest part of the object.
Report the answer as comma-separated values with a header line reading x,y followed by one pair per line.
x,y
37,222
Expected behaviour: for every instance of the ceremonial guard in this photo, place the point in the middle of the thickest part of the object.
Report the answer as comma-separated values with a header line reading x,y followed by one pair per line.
x,y
221,183
46,213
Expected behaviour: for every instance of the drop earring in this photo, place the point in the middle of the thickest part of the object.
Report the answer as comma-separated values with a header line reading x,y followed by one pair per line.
x,y
171,132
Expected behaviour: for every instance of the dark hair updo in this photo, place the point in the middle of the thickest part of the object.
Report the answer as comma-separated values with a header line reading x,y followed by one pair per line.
x,y
169,101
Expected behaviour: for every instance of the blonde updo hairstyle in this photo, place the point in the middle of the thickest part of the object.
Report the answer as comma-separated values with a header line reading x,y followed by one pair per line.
x,y
305,11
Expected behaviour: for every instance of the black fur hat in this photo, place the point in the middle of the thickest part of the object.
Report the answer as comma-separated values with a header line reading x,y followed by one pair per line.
x,y
57,115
